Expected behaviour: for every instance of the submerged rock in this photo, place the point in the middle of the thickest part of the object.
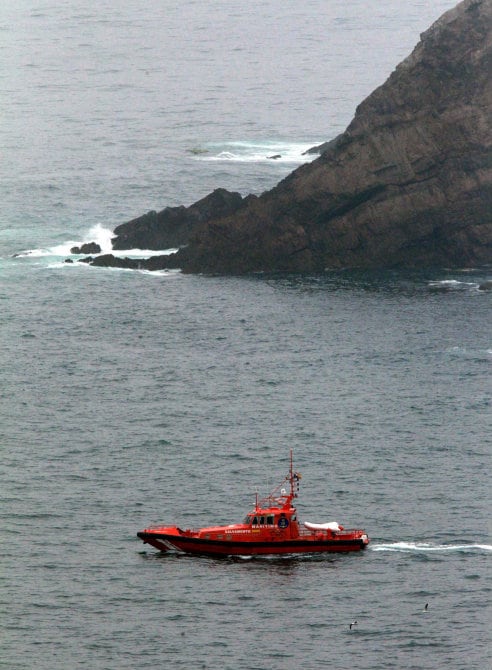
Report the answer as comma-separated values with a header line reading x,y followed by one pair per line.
x,y
319,149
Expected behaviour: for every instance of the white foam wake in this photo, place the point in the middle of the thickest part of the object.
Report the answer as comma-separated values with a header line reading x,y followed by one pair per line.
x,y
97,233
424,547
102,236
445,285
255,152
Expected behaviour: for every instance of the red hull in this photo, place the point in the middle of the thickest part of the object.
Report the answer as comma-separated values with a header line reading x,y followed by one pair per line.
x,y
194,545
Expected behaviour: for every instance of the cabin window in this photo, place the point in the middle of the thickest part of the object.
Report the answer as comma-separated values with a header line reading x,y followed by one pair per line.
x,y
268,520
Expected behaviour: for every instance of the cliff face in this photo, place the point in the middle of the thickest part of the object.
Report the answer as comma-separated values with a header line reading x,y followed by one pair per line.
x,y
408,183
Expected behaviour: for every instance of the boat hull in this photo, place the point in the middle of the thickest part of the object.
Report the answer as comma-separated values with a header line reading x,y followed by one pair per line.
x,y
194,545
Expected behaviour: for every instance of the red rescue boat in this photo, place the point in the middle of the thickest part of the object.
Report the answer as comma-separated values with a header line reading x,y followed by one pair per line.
x,y
271,527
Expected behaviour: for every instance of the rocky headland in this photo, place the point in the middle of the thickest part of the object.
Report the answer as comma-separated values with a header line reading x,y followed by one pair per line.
x,y
409,183
173,226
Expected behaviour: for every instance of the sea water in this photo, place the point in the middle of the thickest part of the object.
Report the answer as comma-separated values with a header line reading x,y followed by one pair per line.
x,y
133,398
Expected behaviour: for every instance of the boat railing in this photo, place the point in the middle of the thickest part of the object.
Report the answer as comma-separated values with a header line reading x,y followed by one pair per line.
x,y
346,532
303,532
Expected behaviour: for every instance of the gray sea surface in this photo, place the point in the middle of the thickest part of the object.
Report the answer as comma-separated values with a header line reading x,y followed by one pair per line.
x,y
132,398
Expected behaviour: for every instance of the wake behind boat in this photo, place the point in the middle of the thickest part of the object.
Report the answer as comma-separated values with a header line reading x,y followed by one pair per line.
x,y
271,527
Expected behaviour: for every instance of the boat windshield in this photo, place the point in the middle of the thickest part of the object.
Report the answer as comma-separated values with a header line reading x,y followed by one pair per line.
x,y
259,520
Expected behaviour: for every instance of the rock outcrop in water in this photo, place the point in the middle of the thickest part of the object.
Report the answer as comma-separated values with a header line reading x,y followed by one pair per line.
x,y
173,226
87,248
408,183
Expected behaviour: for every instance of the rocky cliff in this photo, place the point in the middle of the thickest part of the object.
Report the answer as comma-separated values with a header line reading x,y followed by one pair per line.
x,y
409,183
173,226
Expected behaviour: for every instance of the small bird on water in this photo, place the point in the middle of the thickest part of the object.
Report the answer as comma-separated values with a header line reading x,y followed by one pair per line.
x,y
426,607
354,623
